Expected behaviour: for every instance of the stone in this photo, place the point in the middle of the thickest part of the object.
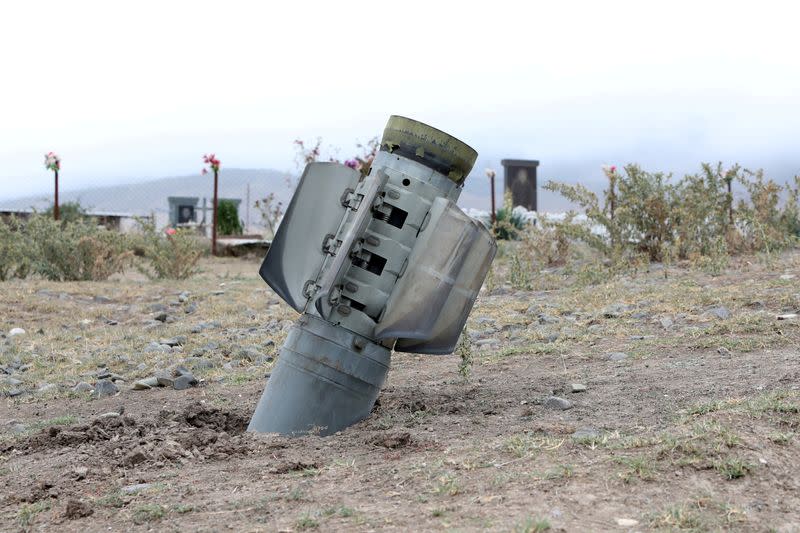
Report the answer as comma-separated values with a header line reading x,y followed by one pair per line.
x,y
80,472
547,319
487,342
12,382
165,380
615,310
82,387
577,387
666,322
586,433
788,316
145,384
16,331
184,382
105,387
617,356
554,402
155,347
720,312
180,340
200,363
183,297
100,299
138,487
161,317
110,414
191,308
77,509
248,353
786,277
264,359
45,387
19,428
724,351
230,365
627,522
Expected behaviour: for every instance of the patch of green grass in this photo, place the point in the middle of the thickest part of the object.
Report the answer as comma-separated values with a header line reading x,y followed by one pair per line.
x,y
562,471
447,485
306,522
637,467
533,525
781,438
183,508
27,513
149,512
733,468
112,499
57,421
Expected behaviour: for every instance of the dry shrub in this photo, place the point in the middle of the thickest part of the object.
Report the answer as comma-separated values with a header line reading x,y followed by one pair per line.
x,y
73,251
14,261
168,256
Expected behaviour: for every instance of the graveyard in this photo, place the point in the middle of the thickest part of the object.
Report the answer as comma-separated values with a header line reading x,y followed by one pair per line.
x,y
644,402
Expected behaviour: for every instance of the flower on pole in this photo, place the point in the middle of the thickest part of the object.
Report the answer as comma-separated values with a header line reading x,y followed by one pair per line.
x,y
212,161
52,161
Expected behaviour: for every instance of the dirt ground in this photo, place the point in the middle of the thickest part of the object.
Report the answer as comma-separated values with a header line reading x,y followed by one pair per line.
x,y
689,421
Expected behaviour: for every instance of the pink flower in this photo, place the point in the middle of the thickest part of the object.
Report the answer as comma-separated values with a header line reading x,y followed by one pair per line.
x,y
204,171
171,231
613,169
352,163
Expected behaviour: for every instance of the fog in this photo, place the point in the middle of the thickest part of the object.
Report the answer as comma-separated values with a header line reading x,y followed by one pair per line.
x,y
127,93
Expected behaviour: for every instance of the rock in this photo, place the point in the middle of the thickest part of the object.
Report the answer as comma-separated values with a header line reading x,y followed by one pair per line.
x,y
554,402
45,387
547,319
617,356
720,312
666,322
82,387
16,331
264,359
77,509
756,304
230,365
484,320
110,414
161,317
487,342
615,310
586,433
12,393
639,315
180,340
105,387
138,487
627,522
183,297
165,380
724,351
248,353
577,387
100,299
786,277
191,308
788,316
19,428
184,382
12,382
145,384
200,363
80,472
155,347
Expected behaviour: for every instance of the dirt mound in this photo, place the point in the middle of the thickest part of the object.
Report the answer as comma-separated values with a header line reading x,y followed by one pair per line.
x,y
196,433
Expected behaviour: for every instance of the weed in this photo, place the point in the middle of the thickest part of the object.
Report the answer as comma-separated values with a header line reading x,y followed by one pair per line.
x,y
447,485
464,351
27,513
533,525
781,438
149,512
637,467
306,522
733,468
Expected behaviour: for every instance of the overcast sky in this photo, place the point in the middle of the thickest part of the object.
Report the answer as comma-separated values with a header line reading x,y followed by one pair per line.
x,y
126,91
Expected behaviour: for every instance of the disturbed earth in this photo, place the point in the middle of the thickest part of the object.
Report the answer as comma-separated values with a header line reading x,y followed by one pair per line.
x,y
655,401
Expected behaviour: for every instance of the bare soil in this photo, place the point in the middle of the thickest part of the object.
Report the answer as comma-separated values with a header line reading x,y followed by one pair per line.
x,y
697,428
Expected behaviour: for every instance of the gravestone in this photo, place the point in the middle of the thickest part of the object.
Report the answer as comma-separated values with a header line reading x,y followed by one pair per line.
x,y
520,180
182,210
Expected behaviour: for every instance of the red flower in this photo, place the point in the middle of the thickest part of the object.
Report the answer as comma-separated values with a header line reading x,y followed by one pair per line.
x,y
171,231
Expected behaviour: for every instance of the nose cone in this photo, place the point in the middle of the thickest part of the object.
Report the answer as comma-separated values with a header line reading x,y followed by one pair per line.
x,y
431,147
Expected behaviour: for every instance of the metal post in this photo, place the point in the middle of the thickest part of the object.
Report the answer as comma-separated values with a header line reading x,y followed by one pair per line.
x,y
56,213
494,213
214,216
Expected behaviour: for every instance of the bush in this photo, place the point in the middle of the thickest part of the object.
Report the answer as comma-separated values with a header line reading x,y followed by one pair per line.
x,y
643,213
68,212
508,224
73,251
14,261
228,218
168,255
